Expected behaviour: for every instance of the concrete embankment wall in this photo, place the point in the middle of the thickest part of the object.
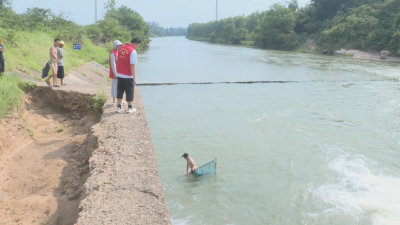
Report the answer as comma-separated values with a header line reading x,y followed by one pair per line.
x,y
124,185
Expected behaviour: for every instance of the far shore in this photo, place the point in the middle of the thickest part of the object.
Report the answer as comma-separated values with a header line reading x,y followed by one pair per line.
x,y
351,53
366,55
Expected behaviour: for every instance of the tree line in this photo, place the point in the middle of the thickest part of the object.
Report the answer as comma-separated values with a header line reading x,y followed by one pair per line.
x,y
158,31
121,23
333,24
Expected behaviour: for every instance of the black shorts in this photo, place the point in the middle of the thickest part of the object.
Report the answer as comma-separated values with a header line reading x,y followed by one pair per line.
x,y
1,66
125,85
60,72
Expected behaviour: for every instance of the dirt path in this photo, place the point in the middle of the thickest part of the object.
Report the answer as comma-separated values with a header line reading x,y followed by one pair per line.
x,y
43,164
90,74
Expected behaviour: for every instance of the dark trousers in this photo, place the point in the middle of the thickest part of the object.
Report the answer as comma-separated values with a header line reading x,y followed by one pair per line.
x,y
1,66
125,85
60,72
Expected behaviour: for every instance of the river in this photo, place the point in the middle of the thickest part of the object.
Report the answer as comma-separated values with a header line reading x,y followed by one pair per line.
x,y
323,149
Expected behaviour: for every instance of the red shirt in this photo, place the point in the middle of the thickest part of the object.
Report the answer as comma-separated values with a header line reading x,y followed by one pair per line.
x,y
123,61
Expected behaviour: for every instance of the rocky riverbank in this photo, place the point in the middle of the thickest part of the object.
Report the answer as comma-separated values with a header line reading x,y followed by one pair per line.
x,y
124,185
382,56
311,47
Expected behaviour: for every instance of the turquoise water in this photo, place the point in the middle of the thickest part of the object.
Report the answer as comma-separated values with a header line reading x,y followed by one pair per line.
x,y
322,150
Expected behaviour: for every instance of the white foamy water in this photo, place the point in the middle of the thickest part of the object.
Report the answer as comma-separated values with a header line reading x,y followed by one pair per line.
x,y
323,150
359,189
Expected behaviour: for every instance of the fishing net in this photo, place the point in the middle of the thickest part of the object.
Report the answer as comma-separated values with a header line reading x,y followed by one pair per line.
x,y
210,167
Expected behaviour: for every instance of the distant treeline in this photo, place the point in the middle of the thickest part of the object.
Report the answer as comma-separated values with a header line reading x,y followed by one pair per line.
x,y
118,23
333,24
158,31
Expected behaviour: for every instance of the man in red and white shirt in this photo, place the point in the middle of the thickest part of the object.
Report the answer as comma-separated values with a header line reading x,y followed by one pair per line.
x,y
126,73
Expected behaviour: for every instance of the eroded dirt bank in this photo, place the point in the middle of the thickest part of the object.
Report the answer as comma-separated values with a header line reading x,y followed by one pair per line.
x,y
63,164
44,153
124,185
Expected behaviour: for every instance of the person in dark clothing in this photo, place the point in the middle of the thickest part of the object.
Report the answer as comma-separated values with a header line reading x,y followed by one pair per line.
x,y
1,57
60,56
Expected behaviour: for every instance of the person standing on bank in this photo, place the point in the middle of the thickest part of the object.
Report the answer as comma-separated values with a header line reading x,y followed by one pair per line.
x,y
60,68
53,63
126,73
1,57
113,69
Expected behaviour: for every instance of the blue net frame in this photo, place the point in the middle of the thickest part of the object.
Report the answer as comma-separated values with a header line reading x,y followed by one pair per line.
x,y
210,167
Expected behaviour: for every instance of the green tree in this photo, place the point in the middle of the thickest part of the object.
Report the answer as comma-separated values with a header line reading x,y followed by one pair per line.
x,y
36,18
6,3
277,29
110,8
134,23
229,31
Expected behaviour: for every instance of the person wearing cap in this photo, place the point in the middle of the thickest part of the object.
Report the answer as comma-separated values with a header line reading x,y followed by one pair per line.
x,y
126,73
1,57
113,69
190,164
60,64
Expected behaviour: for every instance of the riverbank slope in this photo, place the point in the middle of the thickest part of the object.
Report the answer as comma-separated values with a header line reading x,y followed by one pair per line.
x,y
124,186
57,126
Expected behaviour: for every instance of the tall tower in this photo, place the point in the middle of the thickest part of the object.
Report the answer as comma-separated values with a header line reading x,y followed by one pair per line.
x,y
217,11
96,11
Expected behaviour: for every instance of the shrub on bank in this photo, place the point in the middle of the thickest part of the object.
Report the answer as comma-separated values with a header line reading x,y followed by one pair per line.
x,y
98,101
11,92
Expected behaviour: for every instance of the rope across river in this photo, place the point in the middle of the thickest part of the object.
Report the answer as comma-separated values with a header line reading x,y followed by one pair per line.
x,y
243,82
204,83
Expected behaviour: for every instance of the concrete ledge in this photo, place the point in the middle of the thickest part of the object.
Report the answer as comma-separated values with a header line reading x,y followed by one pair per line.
x,y
124,185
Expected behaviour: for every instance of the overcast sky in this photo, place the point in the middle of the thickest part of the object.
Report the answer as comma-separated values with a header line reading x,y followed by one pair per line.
x,y
169,13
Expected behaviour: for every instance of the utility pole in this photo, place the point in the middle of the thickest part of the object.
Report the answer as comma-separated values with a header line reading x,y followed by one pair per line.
x,y
96,11
217,11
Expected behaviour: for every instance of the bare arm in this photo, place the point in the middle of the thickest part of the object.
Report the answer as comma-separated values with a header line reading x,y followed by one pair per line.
x,y
1,49
133,70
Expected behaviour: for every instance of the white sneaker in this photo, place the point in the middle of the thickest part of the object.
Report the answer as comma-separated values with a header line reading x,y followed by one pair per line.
x,y
131,110
118,110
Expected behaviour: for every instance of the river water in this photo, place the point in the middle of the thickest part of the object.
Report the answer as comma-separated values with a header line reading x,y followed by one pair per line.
x,y
323,149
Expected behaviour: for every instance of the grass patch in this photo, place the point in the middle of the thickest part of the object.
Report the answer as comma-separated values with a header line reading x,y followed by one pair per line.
x,y
11,92
101,74
98,101
60,129
32,52
29,129
348,55
58,108
97,71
